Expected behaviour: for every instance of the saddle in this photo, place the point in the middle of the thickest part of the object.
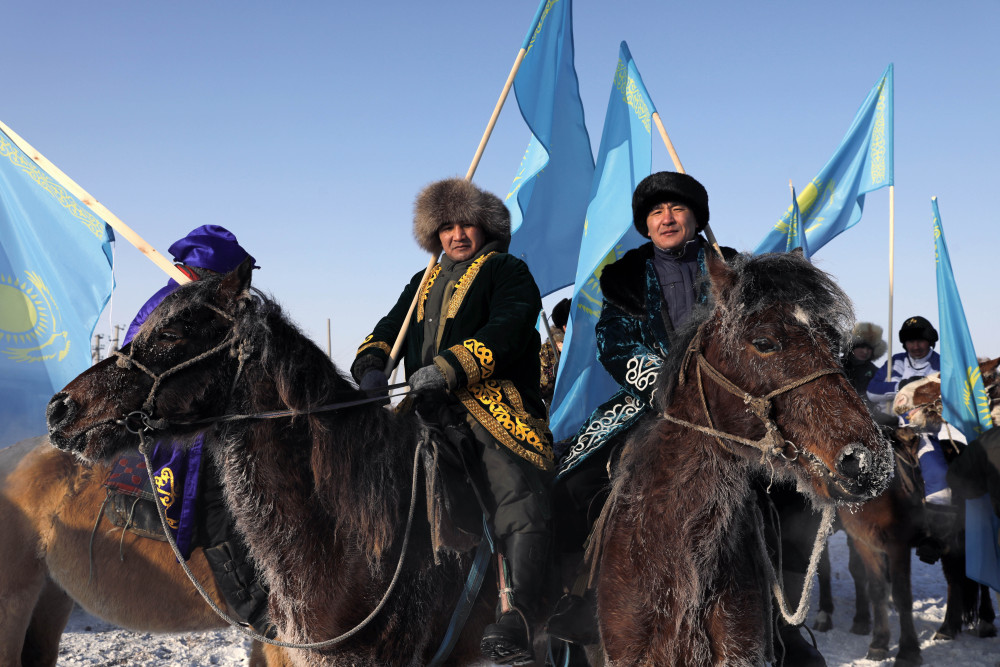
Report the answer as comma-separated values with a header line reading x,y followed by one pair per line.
x,y
130,503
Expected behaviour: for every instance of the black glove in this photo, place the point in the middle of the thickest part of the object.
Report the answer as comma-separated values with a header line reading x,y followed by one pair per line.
x,y
373,382
364,363
428,378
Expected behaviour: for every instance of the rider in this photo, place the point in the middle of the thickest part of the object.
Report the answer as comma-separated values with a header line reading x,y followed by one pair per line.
x,y
203,517
472,344
865,347
560,317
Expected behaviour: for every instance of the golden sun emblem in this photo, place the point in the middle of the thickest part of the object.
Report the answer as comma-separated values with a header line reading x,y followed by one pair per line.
x,y
30,326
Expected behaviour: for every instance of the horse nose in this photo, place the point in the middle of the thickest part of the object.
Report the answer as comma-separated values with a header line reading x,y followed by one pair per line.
x,y
854,462
60,411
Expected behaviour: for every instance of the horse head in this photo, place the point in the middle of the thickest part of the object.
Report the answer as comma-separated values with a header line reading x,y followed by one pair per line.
x,y
168,376
764,355
920,400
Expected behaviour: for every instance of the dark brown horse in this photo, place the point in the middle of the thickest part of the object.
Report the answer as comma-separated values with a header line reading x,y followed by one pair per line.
x,y
882,533
322,497
753,393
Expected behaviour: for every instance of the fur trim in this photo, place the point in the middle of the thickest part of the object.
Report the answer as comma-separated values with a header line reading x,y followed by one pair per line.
x,y
457,200
870,335
668,186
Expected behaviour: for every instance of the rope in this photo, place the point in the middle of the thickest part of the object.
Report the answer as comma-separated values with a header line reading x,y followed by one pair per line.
x,y
261,638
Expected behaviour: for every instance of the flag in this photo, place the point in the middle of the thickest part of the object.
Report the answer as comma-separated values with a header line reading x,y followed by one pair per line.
x,y
796,237
624,158
55,279
548,198
834,200
965,404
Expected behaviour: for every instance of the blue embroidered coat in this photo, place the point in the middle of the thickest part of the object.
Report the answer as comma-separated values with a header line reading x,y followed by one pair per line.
x,y
633,338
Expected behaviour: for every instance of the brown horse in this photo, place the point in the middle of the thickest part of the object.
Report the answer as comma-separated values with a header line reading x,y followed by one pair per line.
x,y
920,401
322,497
56,551
753,393
882,533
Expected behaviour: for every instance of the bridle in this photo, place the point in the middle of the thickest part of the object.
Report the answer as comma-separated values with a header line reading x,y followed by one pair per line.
x,y
772,443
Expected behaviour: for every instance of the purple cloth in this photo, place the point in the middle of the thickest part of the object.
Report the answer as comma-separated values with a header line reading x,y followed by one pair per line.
x,y
210,247
175,486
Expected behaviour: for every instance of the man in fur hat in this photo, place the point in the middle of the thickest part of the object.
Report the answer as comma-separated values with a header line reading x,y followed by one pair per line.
x,y
472,336
858,360
648,293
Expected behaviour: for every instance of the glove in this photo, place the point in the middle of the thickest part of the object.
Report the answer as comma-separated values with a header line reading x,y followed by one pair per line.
x,y
903,383
374,381
428,378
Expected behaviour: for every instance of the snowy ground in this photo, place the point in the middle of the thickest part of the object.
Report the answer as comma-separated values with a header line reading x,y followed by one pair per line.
x,y
89,641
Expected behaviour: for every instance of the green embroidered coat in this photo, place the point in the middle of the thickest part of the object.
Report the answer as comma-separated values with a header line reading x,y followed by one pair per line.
x,y
488,351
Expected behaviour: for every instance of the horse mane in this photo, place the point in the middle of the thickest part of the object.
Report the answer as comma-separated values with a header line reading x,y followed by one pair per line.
x,y
760,282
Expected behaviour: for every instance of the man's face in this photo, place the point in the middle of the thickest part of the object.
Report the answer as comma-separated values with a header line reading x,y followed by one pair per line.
x,y
917,348
671,225
862,353
461,241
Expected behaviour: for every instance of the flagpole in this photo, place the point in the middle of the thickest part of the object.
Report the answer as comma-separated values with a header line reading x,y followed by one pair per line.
x,y
90,202
397,346
680,169
892,236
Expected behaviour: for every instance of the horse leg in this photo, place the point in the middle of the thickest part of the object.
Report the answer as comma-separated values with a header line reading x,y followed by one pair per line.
x,y
984,626
824,619
953,566
41,642
862,623
902,596
874,563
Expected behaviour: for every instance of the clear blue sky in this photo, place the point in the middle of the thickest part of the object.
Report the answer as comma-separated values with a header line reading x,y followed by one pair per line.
x,y
307,128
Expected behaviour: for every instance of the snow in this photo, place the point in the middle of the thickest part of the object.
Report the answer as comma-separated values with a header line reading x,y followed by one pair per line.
x,y
89,641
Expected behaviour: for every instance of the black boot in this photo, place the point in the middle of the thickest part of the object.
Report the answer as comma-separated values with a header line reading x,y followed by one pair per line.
x,y
940,522
790,648
522,573
574,619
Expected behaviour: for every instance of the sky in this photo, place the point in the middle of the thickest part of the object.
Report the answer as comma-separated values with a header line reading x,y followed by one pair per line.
x,y
307,128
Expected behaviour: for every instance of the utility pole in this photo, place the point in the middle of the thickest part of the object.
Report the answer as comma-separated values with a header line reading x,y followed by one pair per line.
x,y
114,340
95,352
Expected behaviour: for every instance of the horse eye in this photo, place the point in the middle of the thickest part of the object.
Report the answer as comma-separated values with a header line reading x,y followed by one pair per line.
x,y
766,345
169,336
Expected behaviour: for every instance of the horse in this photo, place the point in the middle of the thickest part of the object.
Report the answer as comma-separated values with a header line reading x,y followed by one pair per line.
x,y
322,496
882,532
920,400
58,551
683,578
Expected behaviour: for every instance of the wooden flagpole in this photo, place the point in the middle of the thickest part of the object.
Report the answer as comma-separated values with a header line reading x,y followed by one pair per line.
x,y
892,237
97,207
398,345
680,169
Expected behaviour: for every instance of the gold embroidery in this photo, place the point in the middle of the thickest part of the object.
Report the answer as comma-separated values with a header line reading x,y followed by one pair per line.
x,y
464,283
468,363
377,344
514,428
426,290
483,353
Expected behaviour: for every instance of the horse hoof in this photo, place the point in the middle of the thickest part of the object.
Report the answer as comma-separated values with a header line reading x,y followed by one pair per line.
x,y
984,629
823,622
861,627
908,660
877,654
945,632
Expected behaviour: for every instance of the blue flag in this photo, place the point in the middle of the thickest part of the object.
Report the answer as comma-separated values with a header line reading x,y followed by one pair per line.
x,y
834,200
796,237
624,159
965,404
55,279
548,198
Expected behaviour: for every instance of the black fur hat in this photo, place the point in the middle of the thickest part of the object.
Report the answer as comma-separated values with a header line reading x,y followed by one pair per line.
x,y
668,186
917,328
456,200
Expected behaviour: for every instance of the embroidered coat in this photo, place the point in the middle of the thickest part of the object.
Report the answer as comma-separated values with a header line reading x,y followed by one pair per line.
x,y
488,351
633,338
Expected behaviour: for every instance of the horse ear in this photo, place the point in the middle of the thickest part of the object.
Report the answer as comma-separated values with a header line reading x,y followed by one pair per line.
x,y
723,278
235,282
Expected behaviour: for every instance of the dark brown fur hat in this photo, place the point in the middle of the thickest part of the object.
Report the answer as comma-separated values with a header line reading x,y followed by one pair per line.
x,y
456,200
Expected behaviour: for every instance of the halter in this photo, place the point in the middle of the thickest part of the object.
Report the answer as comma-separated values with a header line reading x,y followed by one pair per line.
x,y
772,443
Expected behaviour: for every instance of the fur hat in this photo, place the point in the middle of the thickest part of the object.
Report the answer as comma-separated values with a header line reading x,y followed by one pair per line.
x,y
917,328
456,200
668,186
866,333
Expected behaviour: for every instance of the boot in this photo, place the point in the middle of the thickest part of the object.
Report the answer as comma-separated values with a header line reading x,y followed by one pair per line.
x,y
522,574
790,648
574,619
940,522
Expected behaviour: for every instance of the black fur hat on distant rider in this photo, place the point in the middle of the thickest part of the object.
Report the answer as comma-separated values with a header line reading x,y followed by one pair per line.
x,y
456,200
666,186
917,328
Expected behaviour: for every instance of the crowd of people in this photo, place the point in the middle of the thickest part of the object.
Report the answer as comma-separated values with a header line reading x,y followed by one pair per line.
x,y
472,350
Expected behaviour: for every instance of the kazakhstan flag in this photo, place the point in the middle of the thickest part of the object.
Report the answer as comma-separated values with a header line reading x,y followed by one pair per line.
x,y
796,233
834,200
548,198
55,279
624,159
965,404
